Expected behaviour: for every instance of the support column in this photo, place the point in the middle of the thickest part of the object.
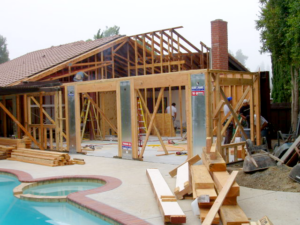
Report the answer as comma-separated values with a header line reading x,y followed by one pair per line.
x,y
71,131
126,130
198,113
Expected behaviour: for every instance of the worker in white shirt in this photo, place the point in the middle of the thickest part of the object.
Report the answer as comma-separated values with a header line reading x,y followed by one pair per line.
x,y
229,129
174,112
263,126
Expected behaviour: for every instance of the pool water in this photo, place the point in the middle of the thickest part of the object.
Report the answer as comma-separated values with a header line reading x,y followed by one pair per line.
x,y
14,211
61,189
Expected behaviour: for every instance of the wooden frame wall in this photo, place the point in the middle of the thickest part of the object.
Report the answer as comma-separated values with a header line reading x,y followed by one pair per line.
x,y
240,86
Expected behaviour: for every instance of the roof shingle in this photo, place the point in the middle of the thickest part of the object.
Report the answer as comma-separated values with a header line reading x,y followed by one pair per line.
x,y
40,60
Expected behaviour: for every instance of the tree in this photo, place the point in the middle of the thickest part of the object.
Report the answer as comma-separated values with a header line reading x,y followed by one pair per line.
x,y
241,57
3,50
280,32
109,31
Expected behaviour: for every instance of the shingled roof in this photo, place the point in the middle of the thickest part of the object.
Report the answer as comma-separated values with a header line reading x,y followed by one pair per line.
x,y
38,61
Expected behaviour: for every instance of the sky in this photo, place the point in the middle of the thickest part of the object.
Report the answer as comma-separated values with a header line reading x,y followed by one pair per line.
x,y
37,24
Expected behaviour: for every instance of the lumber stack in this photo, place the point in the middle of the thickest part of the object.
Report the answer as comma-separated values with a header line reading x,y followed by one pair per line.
x,y
5,151
17,143
40,157
171,211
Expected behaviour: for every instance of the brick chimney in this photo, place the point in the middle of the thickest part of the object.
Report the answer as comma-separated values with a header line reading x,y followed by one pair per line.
x,y
219,43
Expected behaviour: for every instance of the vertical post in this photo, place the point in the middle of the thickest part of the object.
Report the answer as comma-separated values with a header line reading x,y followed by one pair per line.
x,y
219,125
208,104
198,112
127,114
128,59
170,106
41,133
25,111
113,62
257,108
61,128
180,109
134,126
188,108
67,120
77,120
56,113
18,116
136,55
4,118
72,133
119,120
102,103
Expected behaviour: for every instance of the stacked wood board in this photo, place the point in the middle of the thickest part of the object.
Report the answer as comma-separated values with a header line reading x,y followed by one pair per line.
x,y
17,143
40,157
5,151
171,211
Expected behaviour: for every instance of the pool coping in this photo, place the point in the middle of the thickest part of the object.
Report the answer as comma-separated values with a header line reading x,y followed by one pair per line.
x,y
85,203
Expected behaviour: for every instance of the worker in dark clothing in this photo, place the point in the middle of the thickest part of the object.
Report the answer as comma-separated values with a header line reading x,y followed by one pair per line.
x,y
245,112
229,130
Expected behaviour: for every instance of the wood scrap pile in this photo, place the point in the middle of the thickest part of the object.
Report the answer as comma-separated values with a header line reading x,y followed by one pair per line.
x,y
40,157
212,188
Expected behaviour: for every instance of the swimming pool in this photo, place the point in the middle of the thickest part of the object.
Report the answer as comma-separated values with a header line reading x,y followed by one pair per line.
x,y
14,211
61,188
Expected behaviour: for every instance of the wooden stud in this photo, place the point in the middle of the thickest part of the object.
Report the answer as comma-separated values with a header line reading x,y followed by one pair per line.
x,y
119,118
41,133
151,121
154,126
19,124
218,203
18,115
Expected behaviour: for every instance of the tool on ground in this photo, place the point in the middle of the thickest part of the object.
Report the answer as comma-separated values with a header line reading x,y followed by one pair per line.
x,y
181,153
171,142
258,157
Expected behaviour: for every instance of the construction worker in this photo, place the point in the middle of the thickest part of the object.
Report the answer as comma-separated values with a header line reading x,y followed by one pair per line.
x,y
245,112
229,129
174,112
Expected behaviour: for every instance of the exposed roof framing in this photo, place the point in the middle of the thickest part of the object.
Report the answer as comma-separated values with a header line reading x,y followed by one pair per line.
x,y
155,52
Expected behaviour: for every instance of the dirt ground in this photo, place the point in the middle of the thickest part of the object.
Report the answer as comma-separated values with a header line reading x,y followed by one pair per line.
x,y
274,178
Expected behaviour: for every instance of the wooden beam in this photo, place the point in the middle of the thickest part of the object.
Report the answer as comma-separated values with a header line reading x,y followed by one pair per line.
x,y
152,121
159,64
19,124
189,43
101,112
47,115
18,115
218,108
154,126
218,202
233,113
191,161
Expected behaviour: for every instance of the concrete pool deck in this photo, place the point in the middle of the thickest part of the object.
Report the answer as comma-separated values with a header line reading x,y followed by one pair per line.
x,y
135,196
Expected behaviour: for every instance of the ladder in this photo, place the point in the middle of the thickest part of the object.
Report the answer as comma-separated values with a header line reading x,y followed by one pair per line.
x,y
142,127
86,112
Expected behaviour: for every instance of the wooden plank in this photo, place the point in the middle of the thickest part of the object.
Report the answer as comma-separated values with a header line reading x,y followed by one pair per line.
x,y
289,151
220,179
18,115
201,178
191,161
171,211
183,184
233,215
210,192
235,81
218,202
203,213
213,165
218,108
